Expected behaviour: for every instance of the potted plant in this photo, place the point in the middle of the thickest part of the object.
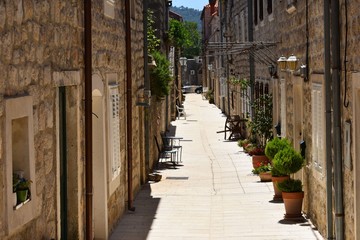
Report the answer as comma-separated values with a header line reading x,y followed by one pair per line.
x,y
16,181
272,148
22,190
288,161
258,156
261,122
261,126
264,172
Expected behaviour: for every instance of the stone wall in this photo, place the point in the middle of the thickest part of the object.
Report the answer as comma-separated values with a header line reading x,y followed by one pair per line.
x,y
41,42
38,38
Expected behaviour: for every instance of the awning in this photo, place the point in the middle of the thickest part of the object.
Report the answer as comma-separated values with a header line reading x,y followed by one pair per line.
x,y
263,52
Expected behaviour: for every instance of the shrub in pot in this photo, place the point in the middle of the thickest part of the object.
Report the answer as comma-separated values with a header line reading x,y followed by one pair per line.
x,y
274,146
288,161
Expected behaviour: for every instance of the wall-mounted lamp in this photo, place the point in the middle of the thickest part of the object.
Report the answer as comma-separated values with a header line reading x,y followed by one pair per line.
x,y
143,98
210,67
272,71
151,62
303,72
302,148
169,3
282,63
278,129
292,63
183,61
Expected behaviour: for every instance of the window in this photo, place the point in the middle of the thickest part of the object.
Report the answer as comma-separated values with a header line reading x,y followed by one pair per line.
x,y
114,130
20,160
242,26
283,107
261,10
269,7
317,110
109,8
255,12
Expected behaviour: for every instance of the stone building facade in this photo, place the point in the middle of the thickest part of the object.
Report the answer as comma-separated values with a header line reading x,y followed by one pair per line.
x,y
42,136
299,97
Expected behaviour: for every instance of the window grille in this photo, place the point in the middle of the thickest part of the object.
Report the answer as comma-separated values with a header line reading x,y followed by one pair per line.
x,y
114,130
317,107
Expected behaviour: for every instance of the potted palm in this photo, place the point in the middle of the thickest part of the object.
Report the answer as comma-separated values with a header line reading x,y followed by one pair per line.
x,y
288,161
272,148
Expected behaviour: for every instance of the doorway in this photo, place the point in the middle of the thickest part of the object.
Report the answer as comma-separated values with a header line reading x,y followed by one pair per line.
x,y
69,193
99,160
356,147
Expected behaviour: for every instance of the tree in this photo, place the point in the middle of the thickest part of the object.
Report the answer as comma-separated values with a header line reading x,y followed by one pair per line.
x,y
184,36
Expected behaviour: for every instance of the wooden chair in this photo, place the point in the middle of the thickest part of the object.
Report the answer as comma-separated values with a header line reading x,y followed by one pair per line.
x,y
165,154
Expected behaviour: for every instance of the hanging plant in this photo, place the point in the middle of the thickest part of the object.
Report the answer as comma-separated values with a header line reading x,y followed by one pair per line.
x,y
160,75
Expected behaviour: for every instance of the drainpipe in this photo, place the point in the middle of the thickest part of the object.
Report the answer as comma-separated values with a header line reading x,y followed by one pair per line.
x,y
251,57
147,90
328,142
129,104
338,184
88,120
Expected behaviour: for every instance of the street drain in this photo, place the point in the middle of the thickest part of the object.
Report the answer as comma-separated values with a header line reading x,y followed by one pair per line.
x,y
177,178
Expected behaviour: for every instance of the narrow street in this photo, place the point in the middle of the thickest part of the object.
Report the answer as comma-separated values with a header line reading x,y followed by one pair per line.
x,y
211,194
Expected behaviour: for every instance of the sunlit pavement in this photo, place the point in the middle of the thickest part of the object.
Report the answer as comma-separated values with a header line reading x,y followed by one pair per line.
x,y
211,194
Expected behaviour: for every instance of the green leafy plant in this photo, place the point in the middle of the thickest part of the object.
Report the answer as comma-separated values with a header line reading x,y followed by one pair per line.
x,y
288,161
160,75
24,184
152,40
290,185
262,168
261,122
274,146
16,181
242,142
210,96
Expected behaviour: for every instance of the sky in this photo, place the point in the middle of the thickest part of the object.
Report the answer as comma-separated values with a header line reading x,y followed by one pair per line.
x,y
196,4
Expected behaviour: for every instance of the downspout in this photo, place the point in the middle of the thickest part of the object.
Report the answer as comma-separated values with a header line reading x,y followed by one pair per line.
x,y
146,91
88,121
251,57
129,104
328,142
167,55
338,178
227,62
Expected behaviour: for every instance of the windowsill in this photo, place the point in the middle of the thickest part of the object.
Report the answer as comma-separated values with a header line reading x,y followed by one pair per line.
x,y
21,204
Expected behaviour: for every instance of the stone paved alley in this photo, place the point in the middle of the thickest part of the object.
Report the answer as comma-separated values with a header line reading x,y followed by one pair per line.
x,y
211,194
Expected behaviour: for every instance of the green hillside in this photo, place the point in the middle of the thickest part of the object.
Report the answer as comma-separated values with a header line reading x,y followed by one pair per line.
x,y
189,15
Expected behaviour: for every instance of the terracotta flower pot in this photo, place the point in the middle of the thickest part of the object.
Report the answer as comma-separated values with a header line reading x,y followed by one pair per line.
x,y
258,160
278,193
265,176
293,204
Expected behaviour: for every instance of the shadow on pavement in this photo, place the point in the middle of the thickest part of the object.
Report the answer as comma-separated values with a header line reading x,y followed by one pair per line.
x,y
137,225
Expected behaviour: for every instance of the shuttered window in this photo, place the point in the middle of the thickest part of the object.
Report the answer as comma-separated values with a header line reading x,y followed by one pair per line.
x,y
114,130
283,108
318,123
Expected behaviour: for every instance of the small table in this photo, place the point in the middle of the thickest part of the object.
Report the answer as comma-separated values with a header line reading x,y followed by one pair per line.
x,y
169,141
